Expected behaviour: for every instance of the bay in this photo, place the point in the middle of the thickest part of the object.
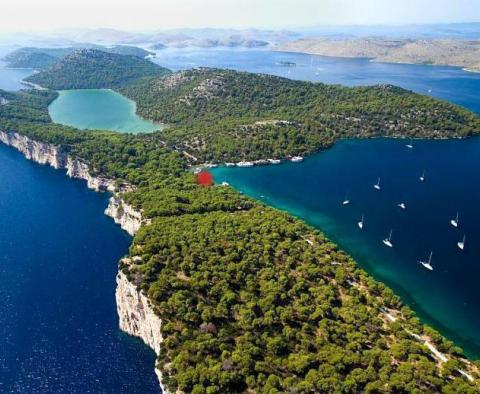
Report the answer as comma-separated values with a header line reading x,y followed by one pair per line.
x,y
447,298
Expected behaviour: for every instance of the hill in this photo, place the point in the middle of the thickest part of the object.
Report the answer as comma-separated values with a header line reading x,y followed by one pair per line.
x,y
42,58
222,115
250,298
461,53
91,68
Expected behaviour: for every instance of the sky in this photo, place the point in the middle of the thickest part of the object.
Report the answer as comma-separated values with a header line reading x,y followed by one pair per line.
x,y
26,15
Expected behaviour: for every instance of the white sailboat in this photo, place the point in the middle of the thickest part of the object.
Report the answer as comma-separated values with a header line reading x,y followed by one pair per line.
x,y
428,264
346,201
454,222
422,177
410,145
377,185
402,205
388,241
360,224
461,244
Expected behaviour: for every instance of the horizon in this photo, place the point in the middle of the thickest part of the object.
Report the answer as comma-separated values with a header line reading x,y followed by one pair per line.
x,y
24,17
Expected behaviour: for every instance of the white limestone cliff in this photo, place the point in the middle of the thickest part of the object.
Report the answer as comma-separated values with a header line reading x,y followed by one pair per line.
x,y
138,318
124,215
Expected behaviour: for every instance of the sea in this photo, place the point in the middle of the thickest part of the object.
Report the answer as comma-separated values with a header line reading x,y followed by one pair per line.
x,y
59,253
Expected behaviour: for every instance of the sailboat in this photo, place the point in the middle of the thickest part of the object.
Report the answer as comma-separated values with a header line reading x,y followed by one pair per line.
x,y
377,185
428,264
410,145
454,222
402,205
388,241
422,177
346,201
360,224
461,244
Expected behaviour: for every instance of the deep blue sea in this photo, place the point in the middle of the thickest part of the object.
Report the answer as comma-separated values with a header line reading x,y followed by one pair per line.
x,y
59,253
58,260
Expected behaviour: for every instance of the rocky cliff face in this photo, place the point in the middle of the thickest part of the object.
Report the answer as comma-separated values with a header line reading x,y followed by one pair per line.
x,y
124,215
136,315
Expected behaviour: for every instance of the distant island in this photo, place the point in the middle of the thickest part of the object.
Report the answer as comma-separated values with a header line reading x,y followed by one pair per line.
x,y
445,52
235,296
92,68
41,58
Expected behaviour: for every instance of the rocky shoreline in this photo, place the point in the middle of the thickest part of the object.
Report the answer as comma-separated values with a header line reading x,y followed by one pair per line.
x,y
136,315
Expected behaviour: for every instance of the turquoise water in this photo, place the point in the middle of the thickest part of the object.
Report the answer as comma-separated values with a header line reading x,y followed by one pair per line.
x,y
58,261
449,297
98,109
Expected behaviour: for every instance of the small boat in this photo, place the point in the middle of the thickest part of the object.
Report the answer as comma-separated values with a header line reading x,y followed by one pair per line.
x,y
346,201
388,241
461,244
360,224
225,184
377,185
274,161
422,177
245,164
296,159
454,222
428,264
402,205
410,145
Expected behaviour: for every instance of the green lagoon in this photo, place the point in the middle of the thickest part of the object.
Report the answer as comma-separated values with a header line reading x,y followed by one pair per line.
x,y
99,109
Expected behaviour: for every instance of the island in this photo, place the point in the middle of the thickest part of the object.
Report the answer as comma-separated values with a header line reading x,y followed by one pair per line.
x,y
42,58
233,295
444,52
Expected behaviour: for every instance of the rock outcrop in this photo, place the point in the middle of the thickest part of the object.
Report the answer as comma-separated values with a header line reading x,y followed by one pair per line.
x,y
124,215
136,315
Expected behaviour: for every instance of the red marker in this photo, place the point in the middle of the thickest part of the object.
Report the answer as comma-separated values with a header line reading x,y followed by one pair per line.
x,y
204,178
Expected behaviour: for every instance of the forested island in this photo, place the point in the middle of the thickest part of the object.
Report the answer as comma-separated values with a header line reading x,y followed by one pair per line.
x,y
250,298
42,58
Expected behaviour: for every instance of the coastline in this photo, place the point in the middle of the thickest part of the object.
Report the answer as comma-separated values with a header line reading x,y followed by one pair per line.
x,y
374,60
266,196
136,315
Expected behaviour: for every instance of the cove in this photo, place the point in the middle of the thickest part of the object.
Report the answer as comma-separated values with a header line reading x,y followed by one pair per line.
x,y
58,261
10,77
447,298
98,109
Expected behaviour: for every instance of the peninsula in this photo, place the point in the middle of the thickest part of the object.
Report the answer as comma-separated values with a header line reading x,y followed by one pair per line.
x,y
442,52
235,296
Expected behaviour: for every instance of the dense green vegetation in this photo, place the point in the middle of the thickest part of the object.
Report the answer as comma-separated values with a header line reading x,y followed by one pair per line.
x,y
91,68
251,299
221,115
42,58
